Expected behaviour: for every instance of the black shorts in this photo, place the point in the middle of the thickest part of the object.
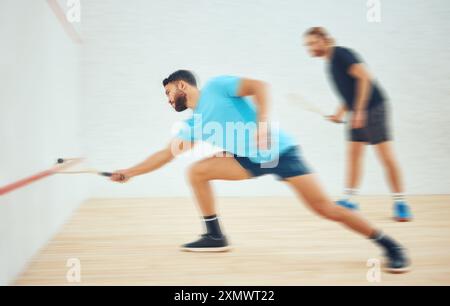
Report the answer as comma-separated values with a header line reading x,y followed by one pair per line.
x,y
377,127
289,164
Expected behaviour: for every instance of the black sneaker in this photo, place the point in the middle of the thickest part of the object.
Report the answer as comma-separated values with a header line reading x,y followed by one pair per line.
x,y
207,243
396,261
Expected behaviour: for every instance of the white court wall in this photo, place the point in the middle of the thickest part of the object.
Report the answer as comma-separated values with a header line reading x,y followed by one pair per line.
x,y
39,121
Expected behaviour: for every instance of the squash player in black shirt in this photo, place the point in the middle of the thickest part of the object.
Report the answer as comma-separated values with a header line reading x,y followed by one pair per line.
x,y
366,102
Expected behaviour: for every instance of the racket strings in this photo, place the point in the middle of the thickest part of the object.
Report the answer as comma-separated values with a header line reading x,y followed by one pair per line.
x,y
78,165
306,105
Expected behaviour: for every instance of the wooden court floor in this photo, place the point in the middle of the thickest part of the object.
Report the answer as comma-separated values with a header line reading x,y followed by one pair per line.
x,y
277,241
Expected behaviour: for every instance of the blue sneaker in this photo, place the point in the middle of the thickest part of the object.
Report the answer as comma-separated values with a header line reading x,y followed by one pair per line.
x,y
347,204
402,213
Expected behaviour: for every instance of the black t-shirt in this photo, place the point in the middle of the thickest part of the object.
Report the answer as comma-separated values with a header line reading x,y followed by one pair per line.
x,y
345,84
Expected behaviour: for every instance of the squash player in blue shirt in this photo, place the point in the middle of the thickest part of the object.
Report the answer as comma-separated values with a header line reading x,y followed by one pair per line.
x,y
363,97
252,146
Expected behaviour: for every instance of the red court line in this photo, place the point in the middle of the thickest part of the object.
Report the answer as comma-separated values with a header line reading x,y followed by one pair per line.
x,y
35,177
67,26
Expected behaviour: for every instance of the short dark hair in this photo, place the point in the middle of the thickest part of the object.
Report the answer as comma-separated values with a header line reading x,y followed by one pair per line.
x,y
181,75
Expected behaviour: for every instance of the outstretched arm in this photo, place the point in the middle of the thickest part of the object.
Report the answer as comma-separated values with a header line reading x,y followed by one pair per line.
x,y
154,161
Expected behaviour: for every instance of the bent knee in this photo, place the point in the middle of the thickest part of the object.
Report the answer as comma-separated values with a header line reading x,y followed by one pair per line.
x,y
197,171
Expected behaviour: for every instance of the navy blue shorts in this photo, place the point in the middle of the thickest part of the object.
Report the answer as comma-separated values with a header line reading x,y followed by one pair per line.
x,y
288,165
377,128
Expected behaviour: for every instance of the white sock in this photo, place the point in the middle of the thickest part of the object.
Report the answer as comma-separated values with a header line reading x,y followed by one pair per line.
x,y
398,197
349,193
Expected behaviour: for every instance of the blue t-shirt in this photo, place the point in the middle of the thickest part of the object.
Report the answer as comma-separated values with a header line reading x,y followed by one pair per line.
x,y
228,121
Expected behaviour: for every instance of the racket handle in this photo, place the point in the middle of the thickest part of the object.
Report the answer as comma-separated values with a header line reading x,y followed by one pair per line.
x,y
109,174
339,122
